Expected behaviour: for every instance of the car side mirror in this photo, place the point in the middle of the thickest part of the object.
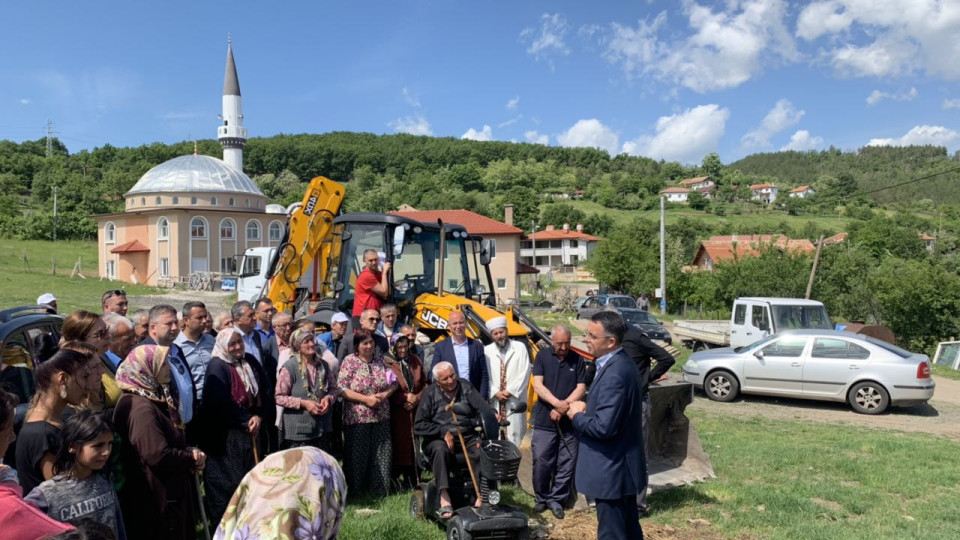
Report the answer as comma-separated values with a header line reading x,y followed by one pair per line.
x,y
758,355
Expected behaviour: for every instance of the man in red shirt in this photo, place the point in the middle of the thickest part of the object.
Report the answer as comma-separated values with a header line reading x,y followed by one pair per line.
x,y
373,286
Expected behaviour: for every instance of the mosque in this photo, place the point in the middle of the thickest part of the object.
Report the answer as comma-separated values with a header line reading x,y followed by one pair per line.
x,y
192,213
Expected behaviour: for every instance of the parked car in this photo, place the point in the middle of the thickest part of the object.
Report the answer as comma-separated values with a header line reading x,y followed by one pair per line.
x,y
579,302
598,303
647,323
827,365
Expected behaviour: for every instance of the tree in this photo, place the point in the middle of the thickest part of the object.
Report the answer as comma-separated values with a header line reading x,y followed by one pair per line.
x,y
629,259
697,201
558,214
598,224
713,167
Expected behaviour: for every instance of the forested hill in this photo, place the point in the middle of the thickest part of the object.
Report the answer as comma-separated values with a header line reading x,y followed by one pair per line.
x,y
872,168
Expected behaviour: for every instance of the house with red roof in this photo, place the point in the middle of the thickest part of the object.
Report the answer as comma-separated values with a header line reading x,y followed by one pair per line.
x,y
557,247
802,192
697,183
676,194
764,192
723,248
504,244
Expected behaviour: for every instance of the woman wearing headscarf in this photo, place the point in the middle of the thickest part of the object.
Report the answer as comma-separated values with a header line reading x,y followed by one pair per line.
x,y
158,496
306,390
295,493
366,383
408,370
232,409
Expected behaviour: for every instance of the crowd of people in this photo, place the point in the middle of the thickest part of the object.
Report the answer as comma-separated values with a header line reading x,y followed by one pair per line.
x,y
130,413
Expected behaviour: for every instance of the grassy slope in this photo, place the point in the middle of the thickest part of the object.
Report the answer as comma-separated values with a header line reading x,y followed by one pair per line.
x,y
21,284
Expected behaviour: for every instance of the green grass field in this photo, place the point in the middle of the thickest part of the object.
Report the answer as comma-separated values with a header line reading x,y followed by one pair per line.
x,y
26,272
757,216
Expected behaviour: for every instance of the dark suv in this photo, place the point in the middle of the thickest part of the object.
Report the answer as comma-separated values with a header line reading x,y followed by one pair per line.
x,y
28,334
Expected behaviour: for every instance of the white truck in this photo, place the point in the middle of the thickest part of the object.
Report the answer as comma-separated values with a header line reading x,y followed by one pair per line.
x,y
752,319
252,277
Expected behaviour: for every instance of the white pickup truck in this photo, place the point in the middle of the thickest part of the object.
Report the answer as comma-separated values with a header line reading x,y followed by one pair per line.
x,y
752,319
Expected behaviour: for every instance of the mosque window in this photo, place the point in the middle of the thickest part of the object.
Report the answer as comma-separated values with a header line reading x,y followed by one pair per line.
x,y
143,201
247,201
230,202
193,200
213,201
163,229
110,233
176,200
228,229
275,231
164,267
158,201
253,230
198,228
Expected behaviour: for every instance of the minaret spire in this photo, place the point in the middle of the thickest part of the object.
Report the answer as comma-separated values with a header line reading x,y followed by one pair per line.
x,y
231,134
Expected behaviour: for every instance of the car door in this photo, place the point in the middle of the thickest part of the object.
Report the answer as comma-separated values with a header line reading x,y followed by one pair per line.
x,y
591,306
776,368
833,363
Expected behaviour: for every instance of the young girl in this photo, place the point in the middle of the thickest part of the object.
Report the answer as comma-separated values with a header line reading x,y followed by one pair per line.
x,y
78,490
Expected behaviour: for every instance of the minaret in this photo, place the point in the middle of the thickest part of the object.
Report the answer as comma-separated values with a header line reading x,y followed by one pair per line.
x,y
231,134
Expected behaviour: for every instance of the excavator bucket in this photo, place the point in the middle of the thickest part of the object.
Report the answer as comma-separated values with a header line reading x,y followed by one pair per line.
x,y
674,454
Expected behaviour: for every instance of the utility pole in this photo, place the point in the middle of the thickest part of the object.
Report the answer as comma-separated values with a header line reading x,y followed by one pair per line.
x,y
54,213
813,271
49,137
663,260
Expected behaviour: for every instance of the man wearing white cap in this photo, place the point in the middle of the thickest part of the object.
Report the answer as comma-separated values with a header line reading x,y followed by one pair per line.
x,y
508,364
338,327
48,300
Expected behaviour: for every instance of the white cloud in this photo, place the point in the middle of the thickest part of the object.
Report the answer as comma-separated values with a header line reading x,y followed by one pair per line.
x,y
414,125
877,96
410,99
921,135
801,141
590,133
685,137
782,116
536,137
25,101
869,38
548,39
485,134
951,104
510,122
512,104
725,49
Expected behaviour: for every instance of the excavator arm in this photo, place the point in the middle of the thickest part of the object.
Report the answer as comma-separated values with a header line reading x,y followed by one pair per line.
x,y
308,228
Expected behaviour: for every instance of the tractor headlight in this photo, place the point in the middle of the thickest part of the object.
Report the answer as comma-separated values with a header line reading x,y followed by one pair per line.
x,y
493,497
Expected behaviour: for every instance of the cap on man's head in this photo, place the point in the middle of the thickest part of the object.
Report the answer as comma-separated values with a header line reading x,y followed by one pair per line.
x,y
339,317
46,298
496,322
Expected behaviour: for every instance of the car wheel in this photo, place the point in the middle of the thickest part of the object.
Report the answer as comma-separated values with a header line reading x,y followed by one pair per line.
x,y
721,386
700,346
455,530
869,398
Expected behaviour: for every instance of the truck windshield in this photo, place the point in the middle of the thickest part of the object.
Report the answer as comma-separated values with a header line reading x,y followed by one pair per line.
x,y
788,317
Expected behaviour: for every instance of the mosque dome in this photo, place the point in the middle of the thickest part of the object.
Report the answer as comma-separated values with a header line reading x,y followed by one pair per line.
x,y
276,209
195,173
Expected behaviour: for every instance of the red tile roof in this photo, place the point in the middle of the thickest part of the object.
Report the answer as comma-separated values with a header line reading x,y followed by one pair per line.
x,y
472,221
675,190
130,247
721,248
755,187
926,237
835,239
560,234
800,189
691,181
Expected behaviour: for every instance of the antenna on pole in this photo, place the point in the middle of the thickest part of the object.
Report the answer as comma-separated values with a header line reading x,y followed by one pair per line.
x,y
49,137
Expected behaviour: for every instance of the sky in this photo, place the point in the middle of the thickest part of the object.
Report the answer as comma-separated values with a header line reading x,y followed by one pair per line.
x,y
666,79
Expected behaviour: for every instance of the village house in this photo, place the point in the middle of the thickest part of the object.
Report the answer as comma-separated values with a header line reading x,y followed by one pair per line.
x,y
722,248
557,247
764,192
676,194
802,192
697,183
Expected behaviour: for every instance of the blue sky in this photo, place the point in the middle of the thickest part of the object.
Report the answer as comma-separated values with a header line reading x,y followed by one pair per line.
x,y
671,79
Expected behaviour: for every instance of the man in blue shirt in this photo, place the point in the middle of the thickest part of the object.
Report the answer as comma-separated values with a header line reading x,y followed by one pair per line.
x,y
197,345
265,313
122,338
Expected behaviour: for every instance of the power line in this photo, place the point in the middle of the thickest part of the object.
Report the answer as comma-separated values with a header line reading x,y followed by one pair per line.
x,y
908,182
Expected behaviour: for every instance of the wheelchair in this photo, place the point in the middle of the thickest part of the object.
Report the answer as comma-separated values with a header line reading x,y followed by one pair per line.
x,y
498,463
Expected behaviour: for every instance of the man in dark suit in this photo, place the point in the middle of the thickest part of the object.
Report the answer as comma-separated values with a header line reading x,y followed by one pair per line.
x,y
465,354
610,464
266,352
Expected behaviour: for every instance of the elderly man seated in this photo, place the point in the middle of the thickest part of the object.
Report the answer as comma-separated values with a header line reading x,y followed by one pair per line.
x,y
434,423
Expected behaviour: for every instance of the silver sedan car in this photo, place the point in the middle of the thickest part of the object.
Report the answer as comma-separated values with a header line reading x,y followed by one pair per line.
x,y
827,365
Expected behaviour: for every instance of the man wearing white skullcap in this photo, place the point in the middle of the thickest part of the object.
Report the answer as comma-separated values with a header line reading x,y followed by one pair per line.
x,y
508,364
48,299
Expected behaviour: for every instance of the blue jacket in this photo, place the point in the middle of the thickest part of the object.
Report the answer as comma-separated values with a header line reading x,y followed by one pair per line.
x,y
479,377
611,464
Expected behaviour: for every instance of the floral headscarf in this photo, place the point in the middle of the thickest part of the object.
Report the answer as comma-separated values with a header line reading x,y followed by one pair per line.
x,y
140,372
296,493
247,376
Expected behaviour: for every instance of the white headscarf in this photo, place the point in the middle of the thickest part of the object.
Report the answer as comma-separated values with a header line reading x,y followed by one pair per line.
x,y
247,376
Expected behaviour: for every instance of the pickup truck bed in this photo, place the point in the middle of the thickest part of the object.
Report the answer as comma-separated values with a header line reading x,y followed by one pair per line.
x,y
700,335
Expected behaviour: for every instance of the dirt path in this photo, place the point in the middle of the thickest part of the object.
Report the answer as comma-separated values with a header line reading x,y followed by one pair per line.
x,y
941,416
216,301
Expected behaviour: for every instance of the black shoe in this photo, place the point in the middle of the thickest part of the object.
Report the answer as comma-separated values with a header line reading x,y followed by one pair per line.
x,y
539,508
557,511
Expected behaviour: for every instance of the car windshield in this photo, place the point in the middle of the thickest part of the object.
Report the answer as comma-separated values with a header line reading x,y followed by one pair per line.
x,y
814,317
622,302
639,317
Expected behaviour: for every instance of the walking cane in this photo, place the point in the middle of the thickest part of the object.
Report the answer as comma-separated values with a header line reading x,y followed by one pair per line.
x,y
203,512
563,440
256,456
473,477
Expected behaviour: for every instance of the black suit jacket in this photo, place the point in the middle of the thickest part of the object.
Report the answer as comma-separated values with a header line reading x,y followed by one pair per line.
x,y
479,377
269,355
641,350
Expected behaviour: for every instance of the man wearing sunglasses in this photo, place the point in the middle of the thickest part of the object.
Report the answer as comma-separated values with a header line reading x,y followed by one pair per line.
x,y
369,319
115,302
